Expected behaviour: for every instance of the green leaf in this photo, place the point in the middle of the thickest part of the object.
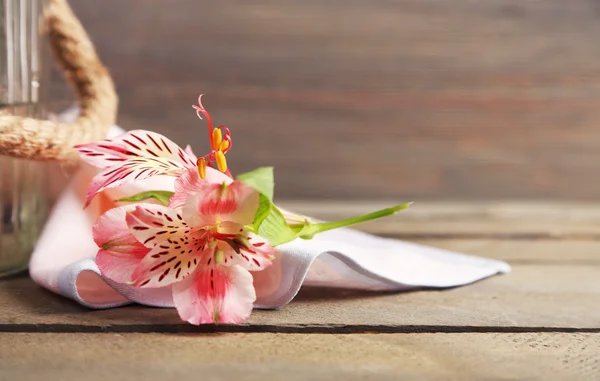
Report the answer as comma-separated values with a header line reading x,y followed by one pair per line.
x,y
161,196
270,224
260,179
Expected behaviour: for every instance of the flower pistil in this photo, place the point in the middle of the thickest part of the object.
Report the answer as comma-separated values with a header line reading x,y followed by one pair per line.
x,y
220,143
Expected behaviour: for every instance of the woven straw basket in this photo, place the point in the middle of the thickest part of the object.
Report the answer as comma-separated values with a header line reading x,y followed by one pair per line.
x,y
35,139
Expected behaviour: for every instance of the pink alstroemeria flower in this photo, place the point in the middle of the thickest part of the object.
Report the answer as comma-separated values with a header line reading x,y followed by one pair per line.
x,y
202,250
140,154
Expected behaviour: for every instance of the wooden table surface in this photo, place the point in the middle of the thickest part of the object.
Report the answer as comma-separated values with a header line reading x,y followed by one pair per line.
x,y
541,321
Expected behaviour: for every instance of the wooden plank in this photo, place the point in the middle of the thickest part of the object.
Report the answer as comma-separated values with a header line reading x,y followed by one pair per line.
x,y
531,297
493,219
300,357
414,98
517,252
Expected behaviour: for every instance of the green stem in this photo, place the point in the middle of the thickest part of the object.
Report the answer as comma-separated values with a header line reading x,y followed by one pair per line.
x,y
309,230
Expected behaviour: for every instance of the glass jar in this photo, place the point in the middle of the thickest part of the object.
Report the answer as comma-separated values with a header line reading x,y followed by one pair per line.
x,y
23,183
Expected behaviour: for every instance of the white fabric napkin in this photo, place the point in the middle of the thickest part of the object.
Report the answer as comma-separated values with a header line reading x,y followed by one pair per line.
x,y
63,260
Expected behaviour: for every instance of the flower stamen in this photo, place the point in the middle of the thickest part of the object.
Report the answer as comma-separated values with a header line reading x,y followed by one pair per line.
x,y
242,241
234,245
221,161
201,167
217,139
220,142
219,256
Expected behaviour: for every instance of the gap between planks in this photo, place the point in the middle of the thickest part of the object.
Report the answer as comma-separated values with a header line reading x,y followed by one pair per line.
x,y
285,329
532,236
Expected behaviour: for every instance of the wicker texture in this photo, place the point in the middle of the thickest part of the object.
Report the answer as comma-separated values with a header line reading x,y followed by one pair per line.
x,y
46,140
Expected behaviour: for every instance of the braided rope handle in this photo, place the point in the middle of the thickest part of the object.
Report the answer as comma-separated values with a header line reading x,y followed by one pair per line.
x,y
36,139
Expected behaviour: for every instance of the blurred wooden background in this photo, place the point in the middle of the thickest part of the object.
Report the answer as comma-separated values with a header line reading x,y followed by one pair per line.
x,y
349,99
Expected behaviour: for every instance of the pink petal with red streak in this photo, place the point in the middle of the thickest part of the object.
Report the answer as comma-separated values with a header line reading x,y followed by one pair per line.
x,y
136,155
215,294
214,203
131,170
190,182
133,144
152,224
190,153
171,261
258,256
120,252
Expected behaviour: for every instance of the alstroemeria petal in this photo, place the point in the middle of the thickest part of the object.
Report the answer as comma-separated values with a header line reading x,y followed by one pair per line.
x,y
152,224
190,182
190,153
214,203
230,228
134,144
258,256
120,252
136,155
215,294
130,170
172,261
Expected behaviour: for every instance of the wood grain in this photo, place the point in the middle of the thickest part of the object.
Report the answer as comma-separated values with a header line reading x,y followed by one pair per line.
x,y
447,219
532,297
538,322
299,357
415,99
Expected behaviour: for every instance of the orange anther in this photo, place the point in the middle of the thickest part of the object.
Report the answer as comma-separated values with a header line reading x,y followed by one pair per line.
x,y
201,168
221,161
